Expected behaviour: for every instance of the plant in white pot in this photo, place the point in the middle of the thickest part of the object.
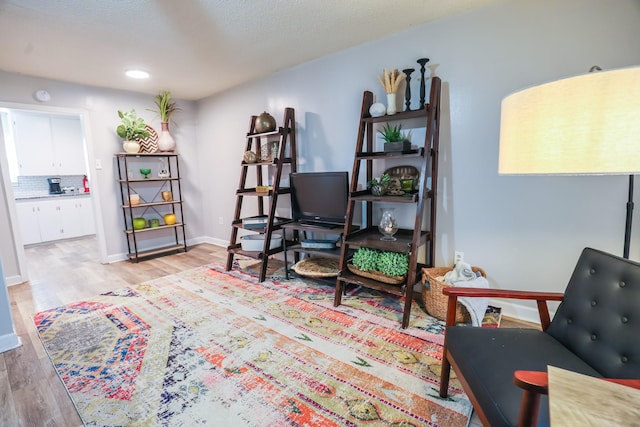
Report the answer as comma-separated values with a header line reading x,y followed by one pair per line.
x,y
165,108
131,130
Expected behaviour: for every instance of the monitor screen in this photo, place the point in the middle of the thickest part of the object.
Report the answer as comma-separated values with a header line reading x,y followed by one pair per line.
x,y
319,197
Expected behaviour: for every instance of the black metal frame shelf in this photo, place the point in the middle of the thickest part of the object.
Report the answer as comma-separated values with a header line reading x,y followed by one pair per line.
x,y
128,187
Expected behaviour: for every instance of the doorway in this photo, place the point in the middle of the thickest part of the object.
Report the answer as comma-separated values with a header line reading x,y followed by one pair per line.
x,y
9,182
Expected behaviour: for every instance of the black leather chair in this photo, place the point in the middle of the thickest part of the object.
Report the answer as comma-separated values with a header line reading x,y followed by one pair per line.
x,y
595,331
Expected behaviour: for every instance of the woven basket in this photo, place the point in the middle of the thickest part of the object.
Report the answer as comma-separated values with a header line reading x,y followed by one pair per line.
x,y
435,302
376,275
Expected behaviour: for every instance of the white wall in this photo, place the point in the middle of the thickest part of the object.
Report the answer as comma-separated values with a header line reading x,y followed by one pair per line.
x,y
526,232
99,109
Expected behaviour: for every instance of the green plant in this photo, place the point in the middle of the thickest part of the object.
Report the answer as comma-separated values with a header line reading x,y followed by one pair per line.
x,y
384,180
365,259
165,107
392,263
132,127
391,133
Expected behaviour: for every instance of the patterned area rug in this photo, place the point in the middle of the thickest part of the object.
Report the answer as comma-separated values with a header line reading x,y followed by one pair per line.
x,y
275,271
209,347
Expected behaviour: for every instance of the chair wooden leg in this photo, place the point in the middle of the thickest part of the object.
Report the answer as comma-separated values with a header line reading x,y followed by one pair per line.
x,y
340,288
445,372
529,407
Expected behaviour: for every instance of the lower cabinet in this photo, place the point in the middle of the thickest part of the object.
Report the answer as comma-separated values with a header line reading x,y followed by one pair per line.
x,y
61,218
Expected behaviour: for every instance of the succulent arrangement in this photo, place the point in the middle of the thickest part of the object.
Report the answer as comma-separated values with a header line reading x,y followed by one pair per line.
x,y
132,127
386,262
391,133
365,259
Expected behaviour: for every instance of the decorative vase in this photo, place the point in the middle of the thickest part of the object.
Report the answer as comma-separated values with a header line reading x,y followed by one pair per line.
x,y
131,147
170,219
391,103
139,223
388,225
165,140
265,123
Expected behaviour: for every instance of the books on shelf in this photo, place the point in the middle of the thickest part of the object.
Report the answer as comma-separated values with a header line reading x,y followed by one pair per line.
x,y
318,244
258,221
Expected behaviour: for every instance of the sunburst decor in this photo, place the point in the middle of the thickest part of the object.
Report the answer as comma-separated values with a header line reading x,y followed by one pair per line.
x,y
150,143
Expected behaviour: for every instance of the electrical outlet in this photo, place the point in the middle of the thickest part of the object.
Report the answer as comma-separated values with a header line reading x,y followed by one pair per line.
x,y
458,257
220,220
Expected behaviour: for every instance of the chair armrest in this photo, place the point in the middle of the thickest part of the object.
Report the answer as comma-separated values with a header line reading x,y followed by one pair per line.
x,y
541,298
502,293
533,381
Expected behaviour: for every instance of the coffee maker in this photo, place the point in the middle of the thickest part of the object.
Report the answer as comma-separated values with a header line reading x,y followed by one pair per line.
x,y
54,186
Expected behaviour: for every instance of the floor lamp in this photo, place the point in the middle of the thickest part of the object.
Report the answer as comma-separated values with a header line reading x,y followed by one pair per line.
x,y
585,125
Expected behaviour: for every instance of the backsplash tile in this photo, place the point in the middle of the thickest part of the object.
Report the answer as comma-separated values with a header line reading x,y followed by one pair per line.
x,y
34,185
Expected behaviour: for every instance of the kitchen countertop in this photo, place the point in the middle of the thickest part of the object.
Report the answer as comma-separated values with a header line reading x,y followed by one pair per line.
x,y
45,195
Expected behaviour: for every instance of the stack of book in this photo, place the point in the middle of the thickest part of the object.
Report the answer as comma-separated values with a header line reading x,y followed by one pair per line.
x,y
259,221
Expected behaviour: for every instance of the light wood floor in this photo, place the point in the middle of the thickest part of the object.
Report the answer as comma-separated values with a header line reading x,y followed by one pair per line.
x,y
31,394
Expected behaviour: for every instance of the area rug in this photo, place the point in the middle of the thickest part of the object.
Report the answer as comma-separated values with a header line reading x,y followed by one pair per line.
x,y
364,297
216,348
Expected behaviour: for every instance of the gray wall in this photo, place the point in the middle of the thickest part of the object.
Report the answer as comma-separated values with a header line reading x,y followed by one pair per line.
x,y
526,232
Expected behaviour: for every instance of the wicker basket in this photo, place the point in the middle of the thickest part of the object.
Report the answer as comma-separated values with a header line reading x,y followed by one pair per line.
x,y
435,302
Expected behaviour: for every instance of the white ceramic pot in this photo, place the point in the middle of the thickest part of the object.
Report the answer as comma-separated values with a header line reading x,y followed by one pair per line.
x,y
131,147
391,103
165,140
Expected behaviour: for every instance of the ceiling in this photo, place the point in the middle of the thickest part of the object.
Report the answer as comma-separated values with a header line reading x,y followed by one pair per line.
x,y
194,48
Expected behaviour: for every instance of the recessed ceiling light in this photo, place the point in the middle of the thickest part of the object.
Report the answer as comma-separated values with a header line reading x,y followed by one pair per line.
x,y
137,74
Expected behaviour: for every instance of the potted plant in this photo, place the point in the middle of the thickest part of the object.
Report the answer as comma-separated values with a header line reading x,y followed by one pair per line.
x,y
393,138
165,108
377,186
131,130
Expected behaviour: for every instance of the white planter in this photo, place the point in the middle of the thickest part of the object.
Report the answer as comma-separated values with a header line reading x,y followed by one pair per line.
x,y
131,147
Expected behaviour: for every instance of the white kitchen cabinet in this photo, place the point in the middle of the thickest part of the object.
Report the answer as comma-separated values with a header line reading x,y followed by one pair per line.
x,y
46,220
29,224
32,134
49,144
68,145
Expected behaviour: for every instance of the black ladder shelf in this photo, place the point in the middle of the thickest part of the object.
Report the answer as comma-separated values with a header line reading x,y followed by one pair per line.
x,y
281,143
409,240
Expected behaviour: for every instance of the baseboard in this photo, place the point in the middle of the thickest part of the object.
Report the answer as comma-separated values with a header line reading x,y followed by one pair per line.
x,y
519,311
14,280
9,342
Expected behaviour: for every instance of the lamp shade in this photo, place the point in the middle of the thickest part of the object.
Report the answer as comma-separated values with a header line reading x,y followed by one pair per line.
x,y
588,124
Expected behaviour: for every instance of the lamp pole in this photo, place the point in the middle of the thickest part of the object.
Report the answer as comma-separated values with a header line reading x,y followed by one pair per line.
x,y
627,229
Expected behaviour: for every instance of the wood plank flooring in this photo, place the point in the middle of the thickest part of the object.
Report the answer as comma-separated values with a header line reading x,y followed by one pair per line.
x,y
31,394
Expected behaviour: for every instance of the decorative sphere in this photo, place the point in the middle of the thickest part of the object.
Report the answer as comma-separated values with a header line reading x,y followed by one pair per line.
x,y
378,109
265,123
